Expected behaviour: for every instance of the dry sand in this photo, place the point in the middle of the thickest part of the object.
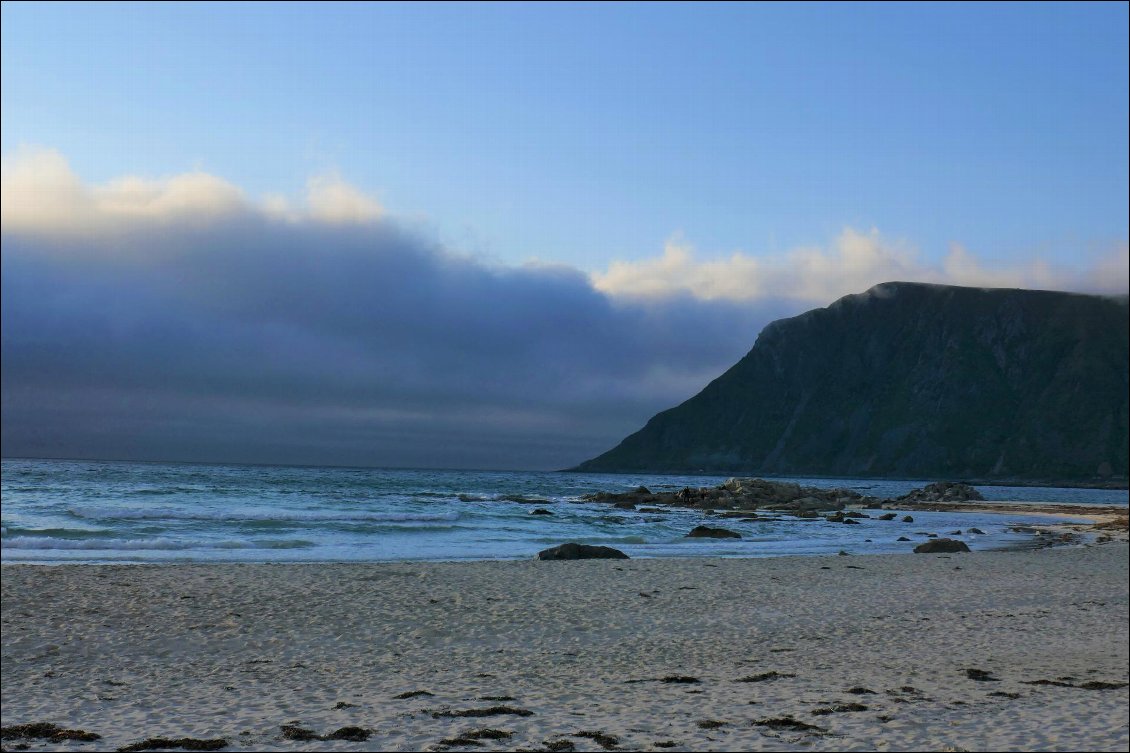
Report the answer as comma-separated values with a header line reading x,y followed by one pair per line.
x,y
236,651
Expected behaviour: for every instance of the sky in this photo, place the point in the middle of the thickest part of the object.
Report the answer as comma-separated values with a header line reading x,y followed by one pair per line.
x,y
504,235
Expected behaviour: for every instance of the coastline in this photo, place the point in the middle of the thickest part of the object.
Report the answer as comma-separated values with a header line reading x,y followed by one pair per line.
x,y
1113,484
236,651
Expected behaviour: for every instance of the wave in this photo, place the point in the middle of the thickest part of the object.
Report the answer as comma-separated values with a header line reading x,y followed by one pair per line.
x,y
168,513
58,533
162,491
524,500
39,542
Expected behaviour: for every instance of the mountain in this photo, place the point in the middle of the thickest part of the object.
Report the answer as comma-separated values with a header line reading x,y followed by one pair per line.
x,y
915,381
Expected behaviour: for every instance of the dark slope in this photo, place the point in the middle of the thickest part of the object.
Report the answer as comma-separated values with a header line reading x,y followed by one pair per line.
x,y
912,380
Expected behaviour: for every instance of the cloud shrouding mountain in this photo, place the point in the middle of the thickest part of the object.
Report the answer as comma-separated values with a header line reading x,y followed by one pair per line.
x,y
854,262
182,319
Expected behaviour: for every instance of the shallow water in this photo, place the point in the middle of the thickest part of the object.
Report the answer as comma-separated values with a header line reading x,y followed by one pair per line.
x,y
112,512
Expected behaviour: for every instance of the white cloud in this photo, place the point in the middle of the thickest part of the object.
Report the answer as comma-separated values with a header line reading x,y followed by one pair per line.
x,y
190,194
42,195
38,189
331,199
853,262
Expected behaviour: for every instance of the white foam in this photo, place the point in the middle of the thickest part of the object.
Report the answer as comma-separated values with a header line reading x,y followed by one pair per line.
x,y
159,544
281,516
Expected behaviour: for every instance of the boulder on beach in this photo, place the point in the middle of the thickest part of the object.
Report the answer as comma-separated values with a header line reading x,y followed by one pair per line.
x,y
935,546
706,532
575,551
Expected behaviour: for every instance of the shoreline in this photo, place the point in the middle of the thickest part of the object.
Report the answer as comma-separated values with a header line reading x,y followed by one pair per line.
x,y
1068,525
1117,484
237,651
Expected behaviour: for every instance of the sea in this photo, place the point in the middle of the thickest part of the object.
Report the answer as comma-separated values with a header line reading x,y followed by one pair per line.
x,y
60,511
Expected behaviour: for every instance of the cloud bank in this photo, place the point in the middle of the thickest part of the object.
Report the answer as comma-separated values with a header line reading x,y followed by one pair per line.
x,y
181,319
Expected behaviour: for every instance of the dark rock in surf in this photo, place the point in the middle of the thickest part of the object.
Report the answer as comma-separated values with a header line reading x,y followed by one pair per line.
x,y
706,532
941,545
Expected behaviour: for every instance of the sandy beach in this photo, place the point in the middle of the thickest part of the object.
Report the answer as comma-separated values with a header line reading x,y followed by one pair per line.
x,y
980,651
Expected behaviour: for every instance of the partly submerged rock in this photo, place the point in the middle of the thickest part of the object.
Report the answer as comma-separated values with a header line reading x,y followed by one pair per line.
x,y
706,532
575,551
943,491
941,545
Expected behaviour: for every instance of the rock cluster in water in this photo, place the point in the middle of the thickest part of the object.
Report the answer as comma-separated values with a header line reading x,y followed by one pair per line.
x,y
943,491
740,494
750,494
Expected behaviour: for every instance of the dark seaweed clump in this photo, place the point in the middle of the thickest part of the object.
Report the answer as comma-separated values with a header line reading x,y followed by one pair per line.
x,y
46,731
167,743
492,711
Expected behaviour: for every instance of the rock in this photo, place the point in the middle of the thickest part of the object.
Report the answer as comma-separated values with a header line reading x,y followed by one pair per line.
x,y
706,532
941,545
625,505
907,519
902,538
887,516
643,490
771,675
943,491
811,503
352,734
977,531
46,731
492,711
575,551
165,743
540,511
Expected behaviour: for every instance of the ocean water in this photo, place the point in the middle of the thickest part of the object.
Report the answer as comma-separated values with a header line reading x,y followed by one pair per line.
x,y
119,512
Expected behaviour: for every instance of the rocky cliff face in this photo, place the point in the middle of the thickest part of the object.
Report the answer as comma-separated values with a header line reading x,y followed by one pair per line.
x,y
912,380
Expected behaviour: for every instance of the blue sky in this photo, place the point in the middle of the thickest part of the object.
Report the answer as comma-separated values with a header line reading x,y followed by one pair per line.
x,y
586,133
504,236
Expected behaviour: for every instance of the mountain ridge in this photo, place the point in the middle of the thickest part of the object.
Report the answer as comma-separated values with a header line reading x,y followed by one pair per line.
x,y
912,380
